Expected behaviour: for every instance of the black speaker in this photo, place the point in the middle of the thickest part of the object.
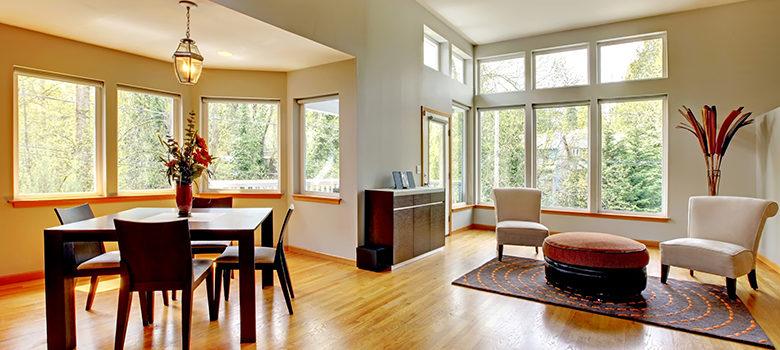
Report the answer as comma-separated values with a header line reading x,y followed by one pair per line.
x,y
373,257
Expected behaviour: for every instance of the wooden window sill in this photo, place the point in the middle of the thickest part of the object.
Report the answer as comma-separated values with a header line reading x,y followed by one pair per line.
x,y
256,195
316,199
462,207
616,216
50,202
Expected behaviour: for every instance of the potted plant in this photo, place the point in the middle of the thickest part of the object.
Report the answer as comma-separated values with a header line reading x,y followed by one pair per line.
x,y
185,163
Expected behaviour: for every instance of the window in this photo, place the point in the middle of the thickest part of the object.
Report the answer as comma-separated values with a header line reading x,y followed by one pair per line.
x,y
562,156
458,147
501,150
320,145
458,70
632,59
632,155
503,74
430,52
561,67
58,136
244,136
143,116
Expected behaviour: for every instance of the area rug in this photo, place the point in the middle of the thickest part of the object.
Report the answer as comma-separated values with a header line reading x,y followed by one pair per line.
x,y
687,306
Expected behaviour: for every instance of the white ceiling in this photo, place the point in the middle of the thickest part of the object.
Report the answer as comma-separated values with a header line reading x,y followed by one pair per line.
x,y
153,28
487,21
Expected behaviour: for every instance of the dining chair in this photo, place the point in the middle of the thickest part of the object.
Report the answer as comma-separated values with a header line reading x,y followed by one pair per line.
x,y
265,257
211,247
157,256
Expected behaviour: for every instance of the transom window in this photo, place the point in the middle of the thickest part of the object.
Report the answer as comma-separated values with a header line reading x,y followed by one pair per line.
x,y
561,67
502,74
633,58
430,52
320,130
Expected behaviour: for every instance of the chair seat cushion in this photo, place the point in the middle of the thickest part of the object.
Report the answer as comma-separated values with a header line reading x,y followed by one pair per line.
x,y
715,257
210,244
263,255
527,233
108,260
596,250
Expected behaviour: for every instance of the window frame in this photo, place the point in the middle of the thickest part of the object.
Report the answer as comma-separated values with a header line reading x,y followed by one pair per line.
x,y
509,56
99,127
559,49
177,125
629,39
302,146
204,132
527,182
428,38
460,54
464,153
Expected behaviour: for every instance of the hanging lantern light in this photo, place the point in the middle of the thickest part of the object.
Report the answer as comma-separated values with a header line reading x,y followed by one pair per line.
x,y
187,61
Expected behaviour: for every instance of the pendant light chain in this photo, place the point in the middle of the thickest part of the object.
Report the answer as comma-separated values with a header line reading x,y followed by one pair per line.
x,y
188,22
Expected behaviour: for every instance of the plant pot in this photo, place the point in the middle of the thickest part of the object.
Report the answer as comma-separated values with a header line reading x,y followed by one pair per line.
x,y
184,199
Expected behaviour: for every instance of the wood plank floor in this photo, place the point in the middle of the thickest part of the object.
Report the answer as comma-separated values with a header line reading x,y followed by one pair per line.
x,y
415,307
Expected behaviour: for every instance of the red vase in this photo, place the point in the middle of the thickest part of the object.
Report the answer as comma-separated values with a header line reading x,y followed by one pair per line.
x,y
184,199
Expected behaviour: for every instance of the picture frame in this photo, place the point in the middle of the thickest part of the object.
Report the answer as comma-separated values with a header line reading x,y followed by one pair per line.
x,y
397,180
410,179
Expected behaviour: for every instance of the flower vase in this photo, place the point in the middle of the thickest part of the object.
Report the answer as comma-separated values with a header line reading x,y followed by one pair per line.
x,y
184,199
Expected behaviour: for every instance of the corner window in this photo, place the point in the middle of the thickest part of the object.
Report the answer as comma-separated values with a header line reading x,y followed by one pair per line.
x,y
502,74
320,144
561,67
634,58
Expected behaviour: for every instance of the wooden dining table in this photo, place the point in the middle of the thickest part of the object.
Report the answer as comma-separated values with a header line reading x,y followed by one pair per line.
x,y
224,224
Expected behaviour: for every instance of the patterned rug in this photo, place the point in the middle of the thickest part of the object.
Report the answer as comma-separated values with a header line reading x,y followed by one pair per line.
x,y
688,306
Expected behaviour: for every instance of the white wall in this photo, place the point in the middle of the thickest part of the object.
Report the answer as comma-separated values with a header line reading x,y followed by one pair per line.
x,y
767,177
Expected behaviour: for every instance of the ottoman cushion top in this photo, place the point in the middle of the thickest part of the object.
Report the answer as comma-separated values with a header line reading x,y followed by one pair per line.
x,y
598,250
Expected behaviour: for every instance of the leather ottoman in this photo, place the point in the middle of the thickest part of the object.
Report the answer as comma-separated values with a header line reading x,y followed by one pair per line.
x,y
596,263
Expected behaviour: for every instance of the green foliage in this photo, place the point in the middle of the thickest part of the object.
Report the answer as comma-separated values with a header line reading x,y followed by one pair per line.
x,y
501,151
562,156
649,61
322,151
458,142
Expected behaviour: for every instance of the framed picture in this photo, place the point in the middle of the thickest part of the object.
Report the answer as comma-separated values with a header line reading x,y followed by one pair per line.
x,y
405,181
398,182
410,179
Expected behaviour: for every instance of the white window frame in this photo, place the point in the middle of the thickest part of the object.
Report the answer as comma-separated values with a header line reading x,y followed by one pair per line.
x,y
559,49
204,132
464,151
478,146
630,39
465,58
100,115
429,39
302,145
176,124
504,57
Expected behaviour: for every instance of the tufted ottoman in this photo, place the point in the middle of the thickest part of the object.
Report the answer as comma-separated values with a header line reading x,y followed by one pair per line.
x,y
596,263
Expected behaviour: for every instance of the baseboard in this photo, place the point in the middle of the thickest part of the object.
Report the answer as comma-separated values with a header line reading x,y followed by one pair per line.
x,y
20,277
483,227
303,251
769,263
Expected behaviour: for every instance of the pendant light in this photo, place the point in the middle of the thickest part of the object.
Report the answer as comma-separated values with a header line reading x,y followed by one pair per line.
x,y
187,61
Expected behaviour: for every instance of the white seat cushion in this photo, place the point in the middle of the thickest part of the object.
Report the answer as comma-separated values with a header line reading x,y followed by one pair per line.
x,y
106,260
200,244
263,255
715,257
527,233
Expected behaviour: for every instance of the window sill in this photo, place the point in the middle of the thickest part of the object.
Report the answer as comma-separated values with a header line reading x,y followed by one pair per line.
x,y
462,207
256,195
616,216
50,202
317,199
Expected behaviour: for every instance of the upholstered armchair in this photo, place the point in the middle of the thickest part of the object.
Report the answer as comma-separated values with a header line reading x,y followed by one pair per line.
x,y
723,237
517,218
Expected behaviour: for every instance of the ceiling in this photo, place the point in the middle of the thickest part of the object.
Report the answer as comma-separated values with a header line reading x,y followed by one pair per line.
x,y
488,21
153,28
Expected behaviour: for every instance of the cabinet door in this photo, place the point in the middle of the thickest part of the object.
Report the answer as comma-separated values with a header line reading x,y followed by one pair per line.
x,y
437,225
403,235
422,230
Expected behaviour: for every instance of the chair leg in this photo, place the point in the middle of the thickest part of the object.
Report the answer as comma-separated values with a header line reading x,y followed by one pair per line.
x,y
93,284
731,287
226,283
691,272
537,250
217,288
144,308
287,276
664,273
283,284
122,313
150,306
752,279
186,317
165,297
210,294
500,251
173,295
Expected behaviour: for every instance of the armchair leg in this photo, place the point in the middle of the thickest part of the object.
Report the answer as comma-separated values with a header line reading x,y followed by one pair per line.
x,y
691,272
664,273
731,287
752,279
500,251
537,250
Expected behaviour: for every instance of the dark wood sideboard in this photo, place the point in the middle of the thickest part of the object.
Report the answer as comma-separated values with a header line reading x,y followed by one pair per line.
x,y
410,222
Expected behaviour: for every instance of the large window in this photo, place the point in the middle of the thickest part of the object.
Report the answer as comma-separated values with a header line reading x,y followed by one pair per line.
x,y
244,136
561,67
320,145
635,58
501,150
502,74
430,52
632,155
458,147
562,156
143,116
58,135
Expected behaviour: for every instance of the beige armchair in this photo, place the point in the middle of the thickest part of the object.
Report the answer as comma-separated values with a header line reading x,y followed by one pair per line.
x,y
723,237
517,218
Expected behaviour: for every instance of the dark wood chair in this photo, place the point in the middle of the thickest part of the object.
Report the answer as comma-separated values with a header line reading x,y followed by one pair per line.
x,y
264,257
157,256
211,247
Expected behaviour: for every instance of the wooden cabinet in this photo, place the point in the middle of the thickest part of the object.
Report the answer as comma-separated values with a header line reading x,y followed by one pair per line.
x,y
410,222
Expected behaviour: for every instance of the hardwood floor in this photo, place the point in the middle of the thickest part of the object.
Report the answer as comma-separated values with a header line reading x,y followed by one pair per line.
x,y
339,307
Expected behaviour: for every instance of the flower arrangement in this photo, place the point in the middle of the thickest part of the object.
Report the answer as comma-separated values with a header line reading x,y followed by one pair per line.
x,y
713,142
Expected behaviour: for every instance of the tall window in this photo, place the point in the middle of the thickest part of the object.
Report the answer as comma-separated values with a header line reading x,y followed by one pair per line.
x,y
561,67
320,145
143,117
502,74
562,156
430,52
632,155
458,147
501,150
244,136
635,58
57,138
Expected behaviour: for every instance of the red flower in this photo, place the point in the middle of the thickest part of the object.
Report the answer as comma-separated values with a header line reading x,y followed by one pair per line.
x,y
201,142
202,157
171,163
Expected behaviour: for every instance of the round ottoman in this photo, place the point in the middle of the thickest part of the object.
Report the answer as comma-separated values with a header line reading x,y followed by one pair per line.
x,y
596,263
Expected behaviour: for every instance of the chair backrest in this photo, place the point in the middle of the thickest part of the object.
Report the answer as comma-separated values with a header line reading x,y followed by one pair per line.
x,y
280,242
736,220
519,204
82,251
156,255
219,202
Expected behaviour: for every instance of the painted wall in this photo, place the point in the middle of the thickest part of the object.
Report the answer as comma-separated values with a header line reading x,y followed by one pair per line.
x,y
767,175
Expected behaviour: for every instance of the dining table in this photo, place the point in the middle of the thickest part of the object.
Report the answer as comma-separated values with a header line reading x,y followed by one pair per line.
x,y
223,224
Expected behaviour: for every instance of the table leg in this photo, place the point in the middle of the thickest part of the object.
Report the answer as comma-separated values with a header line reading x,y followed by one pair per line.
x,y
60,298
246,280
267,240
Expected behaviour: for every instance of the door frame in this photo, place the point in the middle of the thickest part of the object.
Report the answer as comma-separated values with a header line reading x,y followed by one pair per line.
x,y
426,114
